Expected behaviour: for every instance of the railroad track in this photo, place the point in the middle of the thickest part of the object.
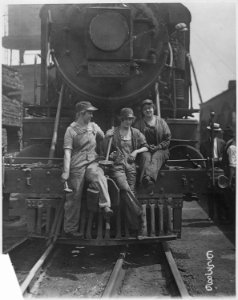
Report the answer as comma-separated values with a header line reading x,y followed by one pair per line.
x,y
162,278
24,254
135,270
15,244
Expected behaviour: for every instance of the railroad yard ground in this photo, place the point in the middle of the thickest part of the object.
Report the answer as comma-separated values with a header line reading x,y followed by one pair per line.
x,y
202,244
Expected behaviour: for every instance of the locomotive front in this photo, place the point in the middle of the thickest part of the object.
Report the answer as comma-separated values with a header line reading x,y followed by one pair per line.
x,y
113,56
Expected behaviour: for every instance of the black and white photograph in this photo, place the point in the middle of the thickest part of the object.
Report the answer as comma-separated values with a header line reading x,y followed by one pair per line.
x,y
118,149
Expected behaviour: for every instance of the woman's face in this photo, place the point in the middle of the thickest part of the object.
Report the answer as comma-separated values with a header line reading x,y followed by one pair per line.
x,y
148,111
87,116
126,123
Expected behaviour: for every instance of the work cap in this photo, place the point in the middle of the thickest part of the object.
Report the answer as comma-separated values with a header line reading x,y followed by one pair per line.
x,y
126,113
146,102
85,106
216,127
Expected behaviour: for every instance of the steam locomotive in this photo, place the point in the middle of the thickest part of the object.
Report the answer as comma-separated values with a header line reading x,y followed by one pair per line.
x,y
113,55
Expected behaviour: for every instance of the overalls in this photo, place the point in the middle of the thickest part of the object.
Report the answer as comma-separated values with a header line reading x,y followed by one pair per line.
x,y
83,167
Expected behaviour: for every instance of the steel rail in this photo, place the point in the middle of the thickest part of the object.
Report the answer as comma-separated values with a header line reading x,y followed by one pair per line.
x,y
15,245
116,277
33,290
35,269
45,255
175,272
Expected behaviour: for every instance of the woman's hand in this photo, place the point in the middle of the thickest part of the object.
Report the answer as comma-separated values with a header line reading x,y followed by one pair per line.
x,y
153,148
64,176
110,132
132,156
134,153
113,155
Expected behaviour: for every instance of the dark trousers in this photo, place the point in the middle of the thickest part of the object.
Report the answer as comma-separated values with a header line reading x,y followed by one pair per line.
x,y
125,178
151,163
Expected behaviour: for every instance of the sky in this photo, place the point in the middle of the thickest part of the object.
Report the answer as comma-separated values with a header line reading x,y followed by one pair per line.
x,y
213,46
213,43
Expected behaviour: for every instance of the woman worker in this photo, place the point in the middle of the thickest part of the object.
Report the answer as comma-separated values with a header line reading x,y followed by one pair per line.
x,y
80,165
127,143
158,136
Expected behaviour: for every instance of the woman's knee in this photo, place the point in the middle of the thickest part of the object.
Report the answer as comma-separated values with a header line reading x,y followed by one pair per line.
x,y
93,175
122,184
145,156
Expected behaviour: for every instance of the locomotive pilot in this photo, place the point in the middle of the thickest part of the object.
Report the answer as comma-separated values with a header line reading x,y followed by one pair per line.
x,y
80,165
158,136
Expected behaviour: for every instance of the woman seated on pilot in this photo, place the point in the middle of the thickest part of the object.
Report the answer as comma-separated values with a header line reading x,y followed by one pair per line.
x,y
158,136
127,143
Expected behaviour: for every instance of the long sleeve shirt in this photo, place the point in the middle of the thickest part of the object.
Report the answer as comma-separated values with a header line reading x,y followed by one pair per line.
x,y
161,130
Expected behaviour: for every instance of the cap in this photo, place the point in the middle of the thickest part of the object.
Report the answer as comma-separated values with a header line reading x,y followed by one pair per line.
x,y
216,127
126,113
147,102
85,105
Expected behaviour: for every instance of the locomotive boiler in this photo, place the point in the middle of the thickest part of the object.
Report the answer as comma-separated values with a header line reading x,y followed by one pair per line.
x,y
113,56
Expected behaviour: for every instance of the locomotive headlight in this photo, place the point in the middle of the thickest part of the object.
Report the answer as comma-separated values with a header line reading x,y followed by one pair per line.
x,y
108,31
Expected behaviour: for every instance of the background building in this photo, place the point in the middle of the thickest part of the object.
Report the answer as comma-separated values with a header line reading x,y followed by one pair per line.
x,y
224,106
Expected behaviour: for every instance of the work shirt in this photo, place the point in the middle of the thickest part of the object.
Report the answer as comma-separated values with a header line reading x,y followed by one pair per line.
x,y
150,134
161,136
232,155
126,147
82,142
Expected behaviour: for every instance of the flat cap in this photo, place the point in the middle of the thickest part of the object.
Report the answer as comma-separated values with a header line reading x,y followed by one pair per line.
x,y
147,102
85,105
126,113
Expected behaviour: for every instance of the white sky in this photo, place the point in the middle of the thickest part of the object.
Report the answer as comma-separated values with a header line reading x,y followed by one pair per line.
x,y
213,45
